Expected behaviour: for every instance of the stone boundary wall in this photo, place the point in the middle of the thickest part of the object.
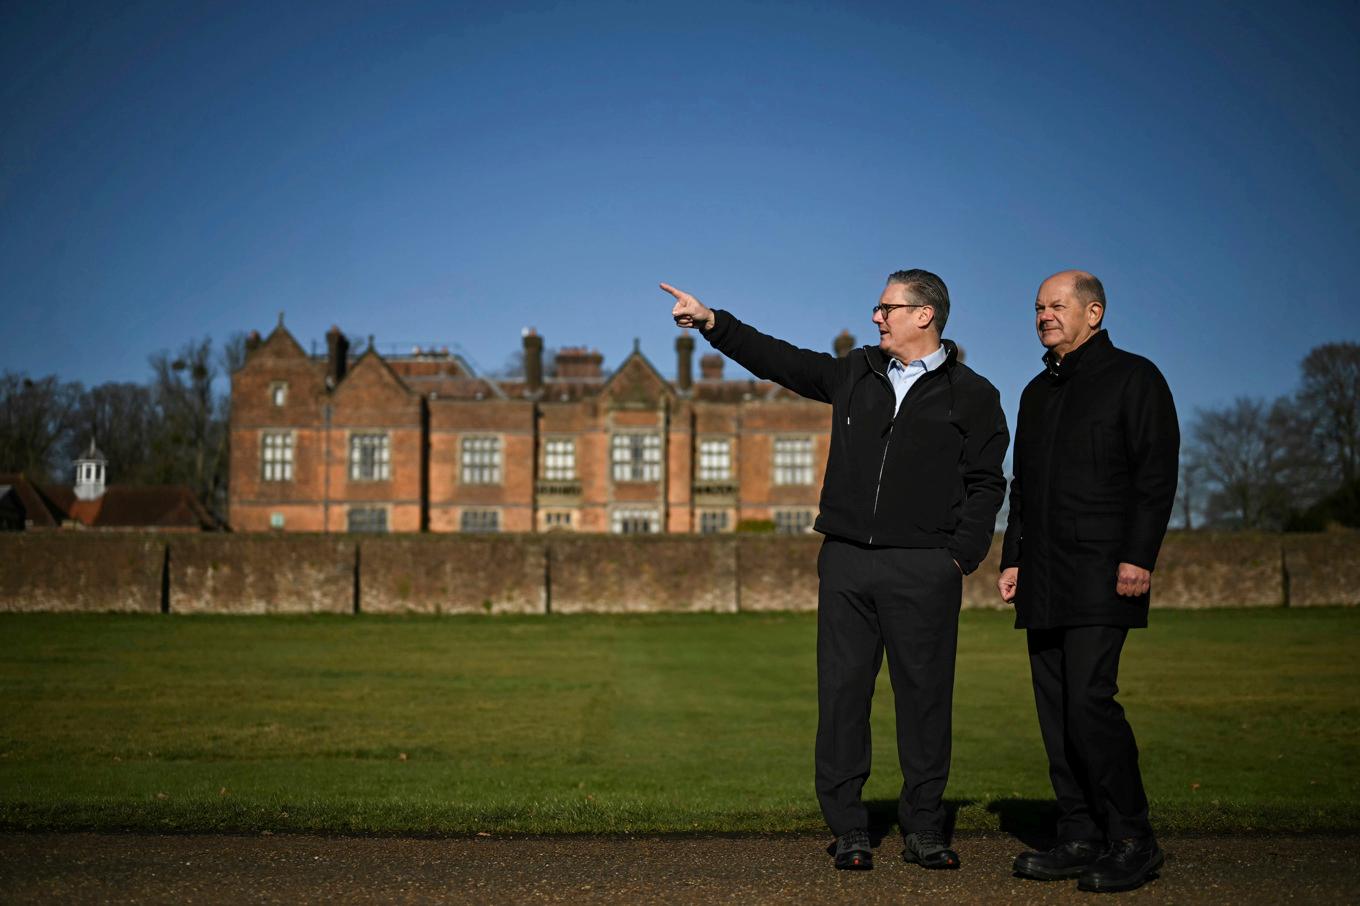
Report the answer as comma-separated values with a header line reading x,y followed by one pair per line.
x,y
777,573
1200,569
261,574
656,574
82,572
1322,569
477,574
563,573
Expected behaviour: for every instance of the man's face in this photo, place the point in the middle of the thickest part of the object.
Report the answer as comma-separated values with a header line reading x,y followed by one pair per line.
x,y
1063,321
900,326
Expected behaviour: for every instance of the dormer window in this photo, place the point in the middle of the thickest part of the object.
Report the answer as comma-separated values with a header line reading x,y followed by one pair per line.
x,y
278,392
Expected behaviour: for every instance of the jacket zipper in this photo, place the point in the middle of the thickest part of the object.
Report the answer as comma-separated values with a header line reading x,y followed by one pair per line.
x,y
878,487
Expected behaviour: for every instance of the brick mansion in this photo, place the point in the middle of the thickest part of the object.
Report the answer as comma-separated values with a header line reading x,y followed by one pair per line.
x,y
420,442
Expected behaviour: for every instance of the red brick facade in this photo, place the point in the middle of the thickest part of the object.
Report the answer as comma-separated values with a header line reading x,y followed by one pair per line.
x,y
419,442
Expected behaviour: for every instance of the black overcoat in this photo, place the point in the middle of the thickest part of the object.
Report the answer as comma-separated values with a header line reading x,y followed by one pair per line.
x,y
1095,462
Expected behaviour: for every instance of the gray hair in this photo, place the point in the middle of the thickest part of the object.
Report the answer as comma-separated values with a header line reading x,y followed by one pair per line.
x,y
926,288
1088,289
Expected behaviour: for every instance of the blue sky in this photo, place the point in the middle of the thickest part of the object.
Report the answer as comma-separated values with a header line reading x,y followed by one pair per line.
x,y
448,174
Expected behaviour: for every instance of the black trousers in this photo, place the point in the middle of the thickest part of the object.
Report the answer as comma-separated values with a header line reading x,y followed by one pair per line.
x,y
1092,755
905,601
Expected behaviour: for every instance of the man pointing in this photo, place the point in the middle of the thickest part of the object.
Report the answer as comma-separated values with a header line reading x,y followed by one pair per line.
x,y
912,487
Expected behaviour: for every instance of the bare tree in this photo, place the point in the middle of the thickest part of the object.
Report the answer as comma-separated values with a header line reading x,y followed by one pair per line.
x,y
187,447
1330,396
122,420
231,357
1304,469
1235,449
1190,492
35,419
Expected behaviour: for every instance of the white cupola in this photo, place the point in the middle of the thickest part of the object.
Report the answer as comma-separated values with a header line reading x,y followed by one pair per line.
x,y
90,470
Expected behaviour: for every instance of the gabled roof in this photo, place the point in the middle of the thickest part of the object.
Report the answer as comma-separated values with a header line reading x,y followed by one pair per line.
x,y
155,506
121,506
61,496
371,363
636,371
281,350
280,340
39,508
443,375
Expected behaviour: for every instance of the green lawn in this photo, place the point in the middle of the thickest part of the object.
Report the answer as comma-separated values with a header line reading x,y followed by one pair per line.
x,y
1246,720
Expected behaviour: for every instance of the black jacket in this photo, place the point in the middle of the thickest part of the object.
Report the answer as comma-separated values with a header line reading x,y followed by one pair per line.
x,y
929,476
1095,461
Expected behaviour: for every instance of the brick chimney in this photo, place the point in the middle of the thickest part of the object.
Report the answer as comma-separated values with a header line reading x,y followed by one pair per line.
x,y
710,367
578,362
337,355
684,361
843,344
533,361
253,341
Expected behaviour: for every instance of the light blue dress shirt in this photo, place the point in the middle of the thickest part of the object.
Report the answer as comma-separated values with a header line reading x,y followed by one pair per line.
x,y
903,376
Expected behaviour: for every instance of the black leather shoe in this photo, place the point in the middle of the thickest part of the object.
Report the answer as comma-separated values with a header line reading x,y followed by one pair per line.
x,y
1124,866
926,848
854,852
1066,860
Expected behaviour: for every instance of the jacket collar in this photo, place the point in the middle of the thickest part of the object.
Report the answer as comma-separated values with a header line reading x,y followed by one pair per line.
x,y
1094,348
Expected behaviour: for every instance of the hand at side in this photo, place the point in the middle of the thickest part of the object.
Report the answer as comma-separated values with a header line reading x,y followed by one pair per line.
x,y
1133,580
1006,583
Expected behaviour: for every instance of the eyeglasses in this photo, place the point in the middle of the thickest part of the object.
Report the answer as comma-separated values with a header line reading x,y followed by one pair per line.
x,y
888,309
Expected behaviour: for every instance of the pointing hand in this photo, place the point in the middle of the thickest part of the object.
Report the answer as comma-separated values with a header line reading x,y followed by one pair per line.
x,y
689,311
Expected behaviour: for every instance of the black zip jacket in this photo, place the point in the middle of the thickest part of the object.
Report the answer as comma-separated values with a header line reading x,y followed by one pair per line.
x,y
1096,459
928,476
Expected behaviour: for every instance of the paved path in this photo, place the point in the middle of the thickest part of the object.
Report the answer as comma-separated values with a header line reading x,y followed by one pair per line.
x,y
112,868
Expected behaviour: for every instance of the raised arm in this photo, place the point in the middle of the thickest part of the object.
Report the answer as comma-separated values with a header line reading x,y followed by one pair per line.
x,y
804,371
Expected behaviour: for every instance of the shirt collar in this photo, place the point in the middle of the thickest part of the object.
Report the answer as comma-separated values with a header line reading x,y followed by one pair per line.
x,y
929,362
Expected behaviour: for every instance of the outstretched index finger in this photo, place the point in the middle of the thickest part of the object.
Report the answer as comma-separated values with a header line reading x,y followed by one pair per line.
x,y
672,290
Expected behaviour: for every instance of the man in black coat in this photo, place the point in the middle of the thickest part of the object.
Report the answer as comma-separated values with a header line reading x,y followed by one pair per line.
x,y
1095,463
913,483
